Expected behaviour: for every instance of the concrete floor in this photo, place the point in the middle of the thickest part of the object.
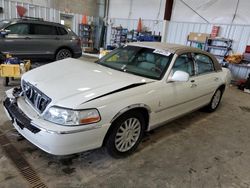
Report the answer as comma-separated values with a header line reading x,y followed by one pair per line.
x,y
198,150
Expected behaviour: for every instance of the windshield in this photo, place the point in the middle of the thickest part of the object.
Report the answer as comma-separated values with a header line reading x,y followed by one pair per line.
x,y
3,24
146,62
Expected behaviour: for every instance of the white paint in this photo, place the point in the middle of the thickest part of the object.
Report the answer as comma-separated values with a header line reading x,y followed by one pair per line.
x,y
145,9
240,34
164,31
62,86
33,10
45,3
127,13
215,11
131,24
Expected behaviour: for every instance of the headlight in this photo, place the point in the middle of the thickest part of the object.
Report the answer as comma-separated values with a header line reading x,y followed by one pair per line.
x,y
70,117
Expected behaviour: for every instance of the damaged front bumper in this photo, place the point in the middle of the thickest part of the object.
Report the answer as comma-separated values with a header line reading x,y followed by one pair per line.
x,y
18,117
52,138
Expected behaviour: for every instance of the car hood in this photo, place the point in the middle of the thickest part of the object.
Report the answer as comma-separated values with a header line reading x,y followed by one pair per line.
x,y
71,82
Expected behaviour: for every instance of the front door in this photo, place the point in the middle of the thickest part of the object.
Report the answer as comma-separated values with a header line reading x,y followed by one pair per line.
x,y
17,42
206,78
177,98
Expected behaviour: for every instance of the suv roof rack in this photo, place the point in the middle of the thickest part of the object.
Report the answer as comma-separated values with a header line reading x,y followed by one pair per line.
x,y
31,18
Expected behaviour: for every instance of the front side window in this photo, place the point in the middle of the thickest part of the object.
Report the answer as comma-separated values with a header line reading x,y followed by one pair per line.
x,y
184,63
140,61
19,28
204,63
40,29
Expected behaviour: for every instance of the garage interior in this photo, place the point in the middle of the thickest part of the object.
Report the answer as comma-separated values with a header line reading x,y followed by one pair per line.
x,y
197,150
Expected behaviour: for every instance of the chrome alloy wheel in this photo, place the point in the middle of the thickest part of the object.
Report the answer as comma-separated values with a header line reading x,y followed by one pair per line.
x,y
216,99
127,134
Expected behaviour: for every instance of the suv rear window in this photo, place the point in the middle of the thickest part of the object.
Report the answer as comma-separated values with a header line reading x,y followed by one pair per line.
x,y
62,31
39,29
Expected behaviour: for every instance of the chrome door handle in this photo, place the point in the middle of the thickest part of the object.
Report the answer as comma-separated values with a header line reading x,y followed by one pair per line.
x,y
216,79
193,85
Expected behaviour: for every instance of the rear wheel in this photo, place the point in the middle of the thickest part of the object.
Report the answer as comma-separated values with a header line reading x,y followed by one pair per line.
x,y
215,101
126,134
63,53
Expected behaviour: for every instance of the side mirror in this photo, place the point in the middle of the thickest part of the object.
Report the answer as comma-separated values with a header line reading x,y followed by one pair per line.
x,y
3,33
179,76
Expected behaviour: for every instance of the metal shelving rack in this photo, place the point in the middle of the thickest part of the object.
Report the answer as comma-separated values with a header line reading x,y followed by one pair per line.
x,y
118,36
219,47
86,33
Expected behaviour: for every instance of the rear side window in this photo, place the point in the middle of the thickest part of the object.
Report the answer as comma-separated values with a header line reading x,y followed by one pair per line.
x,y
62,31
204,63
19,28
39,29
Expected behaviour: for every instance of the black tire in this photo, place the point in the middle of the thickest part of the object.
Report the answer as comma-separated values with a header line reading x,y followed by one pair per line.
x,y
112,141
62,54
6,81
215,101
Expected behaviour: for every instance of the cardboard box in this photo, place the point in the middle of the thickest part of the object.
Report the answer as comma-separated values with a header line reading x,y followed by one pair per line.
x,y
198,37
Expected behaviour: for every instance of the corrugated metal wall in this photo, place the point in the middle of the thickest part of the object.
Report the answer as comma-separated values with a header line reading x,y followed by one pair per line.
x,y
240,34
46,13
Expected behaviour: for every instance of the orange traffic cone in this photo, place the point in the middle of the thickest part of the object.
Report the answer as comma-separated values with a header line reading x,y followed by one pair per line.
x,y
139,26
84,19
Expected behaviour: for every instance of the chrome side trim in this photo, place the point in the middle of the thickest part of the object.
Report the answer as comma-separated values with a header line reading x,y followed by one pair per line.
x,y
183,102
151,127
129,108
67,132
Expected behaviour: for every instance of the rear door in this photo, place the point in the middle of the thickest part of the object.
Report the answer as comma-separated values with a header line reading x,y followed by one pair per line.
x,y
44,39
206,79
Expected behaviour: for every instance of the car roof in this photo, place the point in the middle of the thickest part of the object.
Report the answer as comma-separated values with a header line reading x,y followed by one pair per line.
x,y
176,49
172,48
33,20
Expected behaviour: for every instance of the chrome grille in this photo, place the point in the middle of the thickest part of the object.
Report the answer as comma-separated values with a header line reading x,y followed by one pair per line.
x,y
39,100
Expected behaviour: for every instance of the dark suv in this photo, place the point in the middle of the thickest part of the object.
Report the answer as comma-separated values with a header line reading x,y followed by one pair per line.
x,y
37,39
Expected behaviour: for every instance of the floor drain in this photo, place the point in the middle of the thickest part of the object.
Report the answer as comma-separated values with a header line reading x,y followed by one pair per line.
x,y
21,164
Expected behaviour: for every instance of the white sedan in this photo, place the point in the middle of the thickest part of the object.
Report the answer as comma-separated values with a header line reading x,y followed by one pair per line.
x,y
71,106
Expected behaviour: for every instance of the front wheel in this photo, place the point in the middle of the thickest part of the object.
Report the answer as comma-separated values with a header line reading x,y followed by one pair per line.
x,y
215,101
63,53
126,134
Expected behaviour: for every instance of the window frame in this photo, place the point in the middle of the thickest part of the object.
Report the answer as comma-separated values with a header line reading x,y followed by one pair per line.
x,y
29,28
197,67
163,73
33,25
58,28
193,63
